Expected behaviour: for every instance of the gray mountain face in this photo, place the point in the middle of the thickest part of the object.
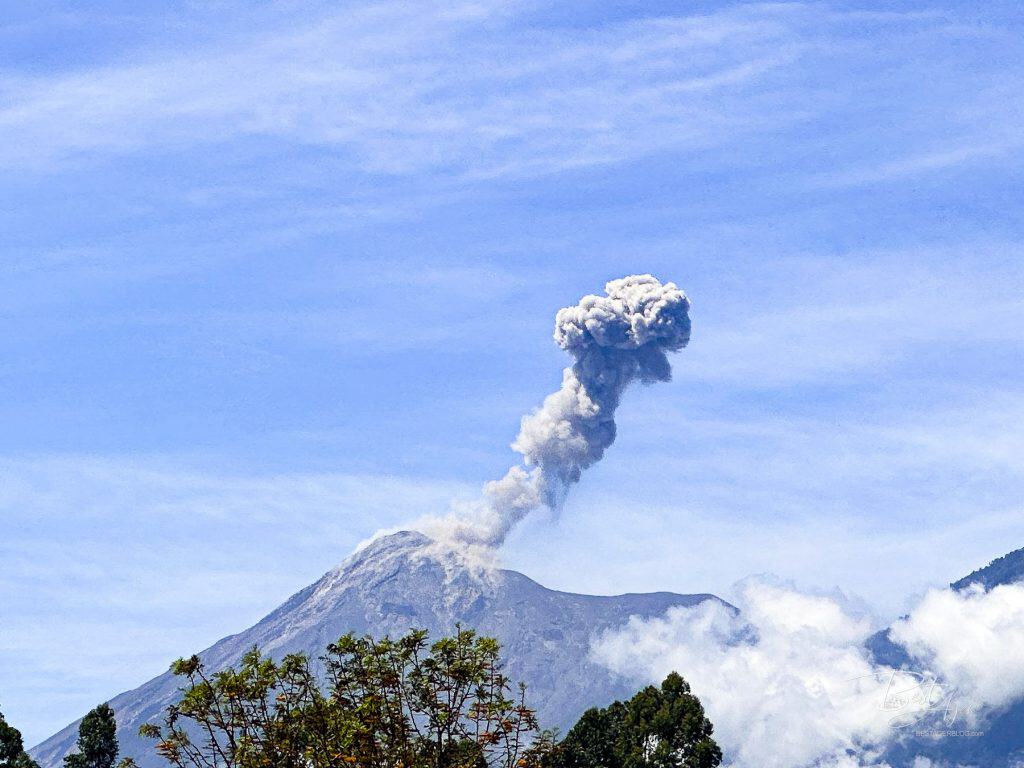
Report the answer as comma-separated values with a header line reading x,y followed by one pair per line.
x,y
399,582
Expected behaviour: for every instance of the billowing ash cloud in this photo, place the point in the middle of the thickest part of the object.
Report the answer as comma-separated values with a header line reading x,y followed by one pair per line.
x,y
615,339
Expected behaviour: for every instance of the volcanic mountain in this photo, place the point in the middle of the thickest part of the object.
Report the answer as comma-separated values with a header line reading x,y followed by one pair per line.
x,y
402,581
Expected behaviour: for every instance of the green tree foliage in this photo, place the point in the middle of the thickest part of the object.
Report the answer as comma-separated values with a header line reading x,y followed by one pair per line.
x,y
387,703
658,728
12,748
97,740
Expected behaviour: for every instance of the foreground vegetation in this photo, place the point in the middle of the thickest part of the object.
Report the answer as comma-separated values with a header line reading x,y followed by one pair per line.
x,y
12,747
96,746
408,703
386,703
663,727
405,703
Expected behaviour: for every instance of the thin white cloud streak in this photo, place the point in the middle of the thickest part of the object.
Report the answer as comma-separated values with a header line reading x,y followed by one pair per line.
x,y
445,295
788,683
405,89
968,431
475,91
858,313
921,163
411,88
982,125
103,487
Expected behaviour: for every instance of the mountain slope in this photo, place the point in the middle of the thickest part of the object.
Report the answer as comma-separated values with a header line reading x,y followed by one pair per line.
x,y
1002,743
1007,569
1003,570
399,582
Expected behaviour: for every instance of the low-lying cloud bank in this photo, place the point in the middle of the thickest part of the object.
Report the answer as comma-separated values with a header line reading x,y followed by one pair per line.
x,y
788,682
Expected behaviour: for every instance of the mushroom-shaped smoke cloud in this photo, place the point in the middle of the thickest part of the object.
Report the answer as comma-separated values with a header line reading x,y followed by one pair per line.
x,y
614,339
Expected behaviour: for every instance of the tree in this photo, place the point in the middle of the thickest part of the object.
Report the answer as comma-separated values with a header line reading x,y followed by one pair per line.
x,y
97,740
262,713
387,704
592,742
12,748
658,728
448,705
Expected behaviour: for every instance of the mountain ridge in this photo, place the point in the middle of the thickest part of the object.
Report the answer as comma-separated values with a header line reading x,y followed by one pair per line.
x,y
1003,570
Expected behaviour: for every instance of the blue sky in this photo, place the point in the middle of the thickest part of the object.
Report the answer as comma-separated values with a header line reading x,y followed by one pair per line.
x,y
277,275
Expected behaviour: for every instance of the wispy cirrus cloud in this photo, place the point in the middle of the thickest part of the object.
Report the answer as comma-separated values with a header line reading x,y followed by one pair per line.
x,y
478,90
827,319
408,88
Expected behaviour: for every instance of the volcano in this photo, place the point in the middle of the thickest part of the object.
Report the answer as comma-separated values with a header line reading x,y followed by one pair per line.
x,y
402,581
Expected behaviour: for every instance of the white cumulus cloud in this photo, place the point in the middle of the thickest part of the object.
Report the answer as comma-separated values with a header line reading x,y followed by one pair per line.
x,y
788,683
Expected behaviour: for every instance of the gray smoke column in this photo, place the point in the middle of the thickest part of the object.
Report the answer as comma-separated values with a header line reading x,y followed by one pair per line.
x,y
615,339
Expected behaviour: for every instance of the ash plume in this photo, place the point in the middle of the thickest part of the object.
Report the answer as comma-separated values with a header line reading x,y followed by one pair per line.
x,y
615,339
